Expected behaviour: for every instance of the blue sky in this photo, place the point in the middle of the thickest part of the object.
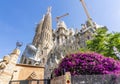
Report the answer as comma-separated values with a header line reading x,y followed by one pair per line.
x,y
18,18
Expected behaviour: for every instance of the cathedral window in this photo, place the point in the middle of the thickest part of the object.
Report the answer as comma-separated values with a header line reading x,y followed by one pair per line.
x,y
65,37
42,52
51,55
88,37
29,62
57,39
25,61
43,60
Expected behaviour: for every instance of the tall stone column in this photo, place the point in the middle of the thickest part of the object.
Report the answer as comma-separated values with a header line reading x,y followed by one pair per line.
x,y
7,66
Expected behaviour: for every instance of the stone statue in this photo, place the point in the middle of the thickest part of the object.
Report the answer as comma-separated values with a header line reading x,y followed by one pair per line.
x,y
4,62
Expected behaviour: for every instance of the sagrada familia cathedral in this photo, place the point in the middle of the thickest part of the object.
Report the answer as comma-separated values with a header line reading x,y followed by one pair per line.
x,y
50,45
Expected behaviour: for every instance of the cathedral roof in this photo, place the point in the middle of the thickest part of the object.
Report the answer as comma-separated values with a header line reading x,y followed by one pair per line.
x,y
32,47
71,31
61,24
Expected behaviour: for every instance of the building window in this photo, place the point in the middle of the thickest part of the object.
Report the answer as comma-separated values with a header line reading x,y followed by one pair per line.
x,y
29,62
88,37
42,52
43,60
25,61
57,39
51,55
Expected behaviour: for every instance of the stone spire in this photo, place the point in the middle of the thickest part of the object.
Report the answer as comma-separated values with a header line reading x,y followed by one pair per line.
x,y
42,42
45,42
36,38
46,34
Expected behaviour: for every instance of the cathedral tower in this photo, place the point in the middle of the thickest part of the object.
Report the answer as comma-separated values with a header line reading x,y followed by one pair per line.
x,y
36,38
61,33
46,34
46,40
37,52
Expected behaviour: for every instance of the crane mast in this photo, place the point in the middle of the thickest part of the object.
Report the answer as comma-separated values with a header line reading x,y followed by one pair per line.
x,y
58,17
87,14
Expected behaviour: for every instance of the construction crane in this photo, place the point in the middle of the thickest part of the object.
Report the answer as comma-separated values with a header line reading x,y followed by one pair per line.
x,y
87,14
58,17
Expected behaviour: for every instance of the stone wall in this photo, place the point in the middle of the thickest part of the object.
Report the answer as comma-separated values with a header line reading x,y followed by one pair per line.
x,y
58,80
28,72
65,79
10,71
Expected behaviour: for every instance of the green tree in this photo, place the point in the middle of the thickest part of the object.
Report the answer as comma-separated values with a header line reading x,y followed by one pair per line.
x,y
103,42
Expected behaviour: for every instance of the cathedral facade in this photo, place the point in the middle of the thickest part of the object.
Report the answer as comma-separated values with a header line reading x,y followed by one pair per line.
x,y
49,46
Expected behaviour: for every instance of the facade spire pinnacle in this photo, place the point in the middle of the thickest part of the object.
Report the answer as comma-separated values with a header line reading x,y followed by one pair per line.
x,y
49,9
43,17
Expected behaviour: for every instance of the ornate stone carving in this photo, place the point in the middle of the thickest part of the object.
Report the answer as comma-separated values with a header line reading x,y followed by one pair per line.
x,y
4,62
32,76
16,51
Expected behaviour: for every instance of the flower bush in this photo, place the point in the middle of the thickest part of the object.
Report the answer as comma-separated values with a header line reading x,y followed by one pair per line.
x,y
88,64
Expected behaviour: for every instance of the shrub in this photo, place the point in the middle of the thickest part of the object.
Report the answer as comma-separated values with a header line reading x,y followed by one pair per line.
x,y
88,64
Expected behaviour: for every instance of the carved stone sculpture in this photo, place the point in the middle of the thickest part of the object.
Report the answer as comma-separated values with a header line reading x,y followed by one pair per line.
x,y
4,62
